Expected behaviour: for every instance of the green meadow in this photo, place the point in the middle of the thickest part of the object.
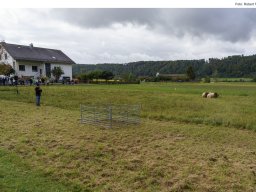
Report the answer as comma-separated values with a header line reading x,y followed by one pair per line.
x,y
161,101
184,143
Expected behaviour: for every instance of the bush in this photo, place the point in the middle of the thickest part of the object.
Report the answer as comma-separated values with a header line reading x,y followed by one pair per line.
x,y
207,80
83,78
6,69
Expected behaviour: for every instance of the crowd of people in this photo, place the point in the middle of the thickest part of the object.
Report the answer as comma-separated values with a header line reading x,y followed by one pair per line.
x,y
5,80
14,80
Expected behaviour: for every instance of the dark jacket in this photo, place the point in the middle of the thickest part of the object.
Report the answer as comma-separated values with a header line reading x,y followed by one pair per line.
x,y
38,91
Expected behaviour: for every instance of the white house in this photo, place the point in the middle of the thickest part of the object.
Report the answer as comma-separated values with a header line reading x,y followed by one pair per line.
x,y
30,61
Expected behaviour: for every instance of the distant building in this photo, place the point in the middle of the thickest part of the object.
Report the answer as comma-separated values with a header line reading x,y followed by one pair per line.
x,y
30,61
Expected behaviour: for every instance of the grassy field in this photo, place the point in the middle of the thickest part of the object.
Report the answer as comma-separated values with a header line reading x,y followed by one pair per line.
x,y
232,79
15,175
185,142
160,101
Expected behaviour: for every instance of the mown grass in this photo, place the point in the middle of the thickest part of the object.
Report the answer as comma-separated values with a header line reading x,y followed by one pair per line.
x,y
156,156
162,101
185,142
15,175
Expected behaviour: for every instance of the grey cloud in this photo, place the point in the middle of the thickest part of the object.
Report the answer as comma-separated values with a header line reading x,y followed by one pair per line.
x,y
226,24
96,18
89,36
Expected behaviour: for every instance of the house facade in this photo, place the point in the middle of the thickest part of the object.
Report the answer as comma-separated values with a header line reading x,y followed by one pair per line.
x,y
30,61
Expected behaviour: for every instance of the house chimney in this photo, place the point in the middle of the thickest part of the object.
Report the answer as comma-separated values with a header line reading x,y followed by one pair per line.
x,y
31,45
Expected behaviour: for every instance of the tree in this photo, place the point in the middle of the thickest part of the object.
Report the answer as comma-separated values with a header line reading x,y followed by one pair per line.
x,y
94,75
107,75
83,77
232,66
215,75
128,77
190,73
207,80
57,72
6,70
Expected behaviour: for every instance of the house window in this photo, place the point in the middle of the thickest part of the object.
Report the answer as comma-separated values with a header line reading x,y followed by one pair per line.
x,y
34,69
14,65
5,56
21,67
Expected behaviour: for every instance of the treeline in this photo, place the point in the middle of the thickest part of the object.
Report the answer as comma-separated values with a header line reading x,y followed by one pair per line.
x,y
232,66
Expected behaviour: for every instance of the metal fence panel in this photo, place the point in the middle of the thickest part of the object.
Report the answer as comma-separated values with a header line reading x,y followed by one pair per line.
x,y
111,115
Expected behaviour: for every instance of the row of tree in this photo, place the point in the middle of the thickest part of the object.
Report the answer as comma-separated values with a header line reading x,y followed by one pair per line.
x,y
232,66
97,74
107,75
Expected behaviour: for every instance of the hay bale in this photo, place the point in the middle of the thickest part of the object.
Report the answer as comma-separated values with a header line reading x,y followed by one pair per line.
x,y
204,95
212,95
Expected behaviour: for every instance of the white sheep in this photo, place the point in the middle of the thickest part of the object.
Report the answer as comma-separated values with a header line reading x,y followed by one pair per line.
x,y
212,95
205,94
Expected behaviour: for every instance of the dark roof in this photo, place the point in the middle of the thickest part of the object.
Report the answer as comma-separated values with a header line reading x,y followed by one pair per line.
x,y
31,53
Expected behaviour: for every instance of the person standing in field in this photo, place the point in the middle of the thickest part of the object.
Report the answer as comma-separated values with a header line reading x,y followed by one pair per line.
x,y
38,91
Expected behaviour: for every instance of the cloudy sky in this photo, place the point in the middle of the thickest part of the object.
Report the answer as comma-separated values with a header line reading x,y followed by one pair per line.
x,y
90,36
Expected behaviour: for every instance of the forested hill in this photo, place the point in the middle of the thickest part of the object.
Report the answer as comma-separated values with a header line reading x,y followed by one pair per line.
x,y
232,66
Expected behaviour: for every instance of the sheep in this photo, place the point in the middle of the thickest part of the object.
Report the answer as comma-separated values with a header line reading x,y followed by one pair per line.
x,y
205,94
212,95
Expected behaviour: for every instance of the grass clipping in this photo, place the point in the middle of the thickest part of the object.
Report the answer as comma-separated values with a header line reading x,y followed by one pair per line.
x,y
158,156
